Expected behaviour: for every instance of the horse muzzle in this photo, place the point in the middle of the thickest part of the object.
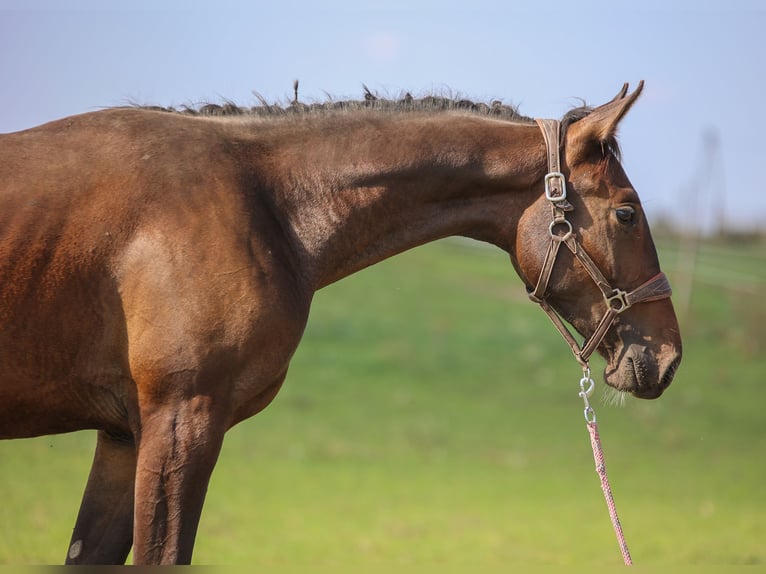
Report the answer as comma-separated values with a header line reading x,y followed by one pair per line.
x,y
643,373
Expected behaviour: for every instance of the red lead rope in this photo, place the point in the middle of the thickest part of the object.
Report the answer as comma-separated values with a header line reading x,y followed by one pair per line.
x,y
598,457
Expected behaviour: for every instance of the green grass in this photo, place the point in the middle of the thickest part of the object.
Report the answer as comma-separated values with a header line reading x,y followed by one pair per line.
x,y
431,418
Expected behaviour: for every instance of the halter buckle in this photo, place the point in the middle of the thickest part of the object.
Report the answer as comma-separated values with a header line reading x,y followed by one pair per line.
x,y
617,300
551,194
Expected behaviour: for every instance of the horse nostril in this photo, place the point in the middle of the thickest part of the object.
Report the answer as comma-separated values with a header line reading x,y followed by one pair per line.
x,y
670,372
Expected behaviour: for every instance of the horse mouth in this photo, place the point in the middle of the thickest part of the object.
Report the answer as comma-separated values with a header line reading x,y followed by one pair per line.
x,y
640,375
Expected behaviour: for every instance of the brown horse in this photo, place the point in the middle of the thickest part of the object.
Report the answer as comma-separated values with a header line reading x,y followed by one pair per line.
x,y
157,268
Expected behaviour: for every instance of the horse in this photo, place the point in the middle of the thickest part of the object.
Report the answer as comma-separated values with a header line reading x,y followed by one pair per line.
x,y
157,266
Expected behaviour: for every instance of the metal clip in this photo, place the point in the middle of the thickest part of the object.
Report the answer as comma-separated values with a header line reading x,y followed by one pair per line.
x,y
588,412
555,175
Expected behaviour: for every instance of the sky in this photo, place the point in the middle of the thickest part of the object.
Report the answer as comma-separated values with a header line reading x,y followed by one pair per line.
x,y
693,145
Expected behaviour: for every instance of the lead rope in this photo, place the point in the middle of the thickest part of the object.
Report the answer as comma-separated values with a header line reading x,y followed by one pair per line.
x,y
586,389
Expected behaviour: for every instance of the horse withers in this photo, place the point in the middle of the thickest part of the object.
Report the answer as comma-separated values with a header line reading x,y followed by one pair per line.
x,y
157,268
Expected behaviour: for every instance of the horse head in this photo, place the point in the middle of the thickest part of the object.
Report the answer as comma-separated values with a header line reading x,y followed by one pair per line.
x,y
611,261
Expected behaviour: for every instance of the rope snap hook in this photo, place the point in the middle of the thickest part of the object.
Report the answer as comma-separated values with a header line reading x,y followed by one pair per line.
x,y
587,384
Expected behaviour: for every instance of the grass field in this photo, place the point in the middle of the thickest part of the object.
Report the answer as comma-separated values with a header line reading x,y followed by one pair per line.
x,y
431,418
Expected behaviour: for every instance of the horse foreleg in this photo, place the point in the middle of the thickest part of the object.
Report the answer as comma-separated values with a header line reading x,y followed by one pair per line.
x,y
177,451
103,532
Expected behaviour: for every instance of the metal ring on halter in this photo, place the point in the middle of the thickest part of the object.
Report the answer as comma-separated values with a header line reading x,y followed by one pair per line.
x,y
617,300
564,237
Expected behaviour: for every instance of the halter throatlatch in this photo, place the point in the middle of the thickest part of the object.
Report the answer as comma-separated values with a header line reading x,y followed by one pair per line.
x,y
560,231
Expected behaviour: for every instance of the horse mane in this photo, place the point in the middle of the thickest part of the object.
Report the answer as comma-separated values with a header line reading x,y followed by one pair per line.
x,y
370,101
406,103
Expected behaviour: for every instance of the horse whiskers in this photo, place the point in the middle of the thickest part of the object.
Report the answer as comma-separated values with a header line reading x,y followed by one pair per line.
x,y
613,397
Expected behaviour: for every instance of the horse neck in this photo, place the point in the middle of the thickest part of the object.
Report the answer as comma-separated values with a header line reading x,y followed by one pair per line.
x,y
356,190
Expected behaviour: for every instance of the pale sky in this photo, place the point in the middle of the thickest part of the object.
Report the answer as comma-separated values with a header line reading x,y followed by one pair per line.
x,y
704,67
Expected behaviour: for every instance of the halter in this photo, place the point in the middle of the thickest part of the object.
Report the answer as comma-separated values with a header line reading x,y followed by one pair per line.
x,y
560,231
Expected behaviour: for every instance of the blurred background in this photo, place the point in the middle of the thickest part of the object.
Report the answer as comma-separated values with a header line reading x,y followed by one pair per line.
x,y
431,414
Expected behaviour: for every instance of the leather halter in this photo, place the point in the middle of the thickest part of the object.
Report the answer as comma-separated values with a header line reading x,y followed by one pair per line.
x,y
560,231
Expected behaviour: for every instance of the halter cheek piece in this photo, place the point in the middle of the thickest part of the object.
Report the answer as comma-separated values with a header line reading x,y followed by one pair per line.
x,y
560,231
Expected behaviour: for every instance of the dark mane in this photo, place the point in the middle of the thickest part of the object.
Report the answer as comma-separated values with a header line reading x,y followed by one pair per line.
x,y
405,103
371,101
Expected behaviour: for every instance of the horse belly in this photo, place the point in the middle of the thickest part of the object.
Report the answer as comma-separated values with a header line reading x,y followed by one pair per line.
x,y
63,360
31,408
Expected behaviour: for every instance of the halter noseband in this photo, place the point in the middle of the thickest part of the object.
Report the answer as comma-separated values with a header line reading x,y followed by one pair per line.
x,y
560,231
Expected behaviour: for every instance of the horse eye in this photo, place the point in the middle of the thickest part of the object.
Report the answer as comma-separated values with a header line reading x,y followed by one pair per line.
x,y
626,214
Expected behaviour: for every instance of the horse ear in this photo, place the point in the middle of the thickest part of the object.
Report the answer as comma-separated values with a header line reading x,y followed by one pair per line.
x,y
622,92
599,126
